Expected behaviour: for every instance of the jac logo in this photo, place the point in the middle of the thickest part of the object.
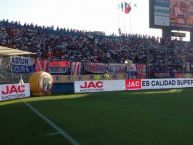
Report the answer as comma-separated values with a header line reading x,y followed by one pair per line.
x,y
88,85
9,89
134,84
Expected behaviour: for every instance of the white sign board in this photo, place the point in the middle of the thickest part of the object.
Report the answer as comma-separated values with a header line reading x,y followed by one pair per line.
x,y
99,86
140,84
14,91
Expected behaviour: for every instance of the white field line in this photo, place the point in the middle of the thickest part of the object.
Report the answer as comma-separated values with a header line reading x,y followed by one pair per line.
x,y
52,124
54,133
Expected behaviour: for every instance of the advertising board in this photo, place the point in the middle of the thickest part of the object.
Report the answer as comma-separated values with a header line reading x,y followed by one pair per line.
x,y
141,84
99,86
14,91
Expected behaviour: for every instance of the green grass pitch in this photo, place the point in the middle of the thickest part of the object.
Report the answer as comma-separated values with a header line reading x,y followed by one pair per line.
x,y
159,117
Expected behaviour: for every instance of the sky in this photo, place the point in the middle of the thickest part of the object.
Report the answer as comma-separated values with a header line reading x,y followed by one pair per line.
x,y
90,15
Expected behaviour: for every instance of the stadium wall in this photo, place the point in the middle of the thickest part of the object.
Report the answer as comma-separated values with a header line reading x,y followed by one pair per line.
x,y
62,88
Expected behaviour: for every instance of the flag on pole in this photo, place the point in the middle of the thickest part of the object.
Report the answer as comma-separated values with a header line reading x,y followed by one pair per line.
x,y
127,8
122,7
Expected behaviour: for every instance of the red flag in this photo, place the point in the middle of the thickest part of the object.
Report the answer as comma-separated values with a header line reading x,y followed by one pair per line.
x,y
127,8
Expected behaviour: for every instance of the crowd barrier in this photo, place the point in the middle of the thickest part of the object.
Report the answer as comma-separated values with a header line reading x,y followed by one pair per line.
x,y
131,84
15,91
72,78
98,86
62,88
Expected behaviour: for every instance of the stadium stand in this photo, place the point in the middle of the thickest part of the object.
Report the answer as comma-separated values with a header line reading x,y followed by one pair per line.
x,y
82,46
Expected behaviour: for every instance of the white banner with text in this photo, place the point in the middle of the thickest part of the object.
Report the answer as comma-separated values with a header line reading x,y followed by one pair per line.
x,y
141,84
14,91
99,86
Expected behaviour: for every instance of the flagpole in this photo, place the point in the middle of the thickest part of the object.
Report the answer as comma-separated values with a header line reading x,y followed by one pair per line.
x,y
130,21
124,23
118,18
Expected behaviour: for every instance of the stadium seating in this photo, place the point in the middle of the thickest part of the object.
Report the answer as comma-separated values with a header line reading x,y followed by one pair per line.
x,y
74,45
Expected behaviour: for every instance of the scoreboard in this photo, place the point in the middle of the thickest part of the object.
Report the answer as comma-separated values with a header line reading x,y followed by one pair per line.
x,y
175,14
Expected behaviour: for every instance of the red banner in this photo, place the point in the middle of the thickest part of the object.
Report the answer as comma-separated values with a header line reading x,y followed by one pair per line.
x,y
59,64
59,67
55,67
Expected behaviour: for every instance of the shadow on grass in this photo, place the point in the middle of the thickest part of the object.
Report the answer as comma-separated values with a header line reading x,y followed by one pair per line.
x,y
43,98
75,96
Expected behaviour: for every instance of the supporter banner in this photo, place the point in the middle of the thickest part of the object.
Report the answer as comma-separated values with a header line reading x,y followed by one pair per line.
x,y
75,68
25,61
21,69
21,64
57,67
53,67
138,84
41,65
98,86
14,91
59,64
96,67
116,68
141,71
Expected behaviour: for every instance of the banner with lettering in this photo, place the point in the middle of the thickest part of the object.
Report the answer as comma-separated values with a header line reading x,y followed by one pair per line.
x,y
96,67
59,67
21,64
117,68
142,84
53,67
14,91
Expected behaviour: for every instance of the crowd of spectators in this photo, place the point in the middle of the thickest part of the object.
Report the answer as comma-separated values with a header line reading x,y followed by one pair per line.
x,y
83,46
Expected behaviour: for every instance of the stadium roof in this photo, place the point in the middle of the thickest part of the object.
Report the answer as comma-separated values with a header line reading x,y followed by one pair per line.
x,y
5,51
